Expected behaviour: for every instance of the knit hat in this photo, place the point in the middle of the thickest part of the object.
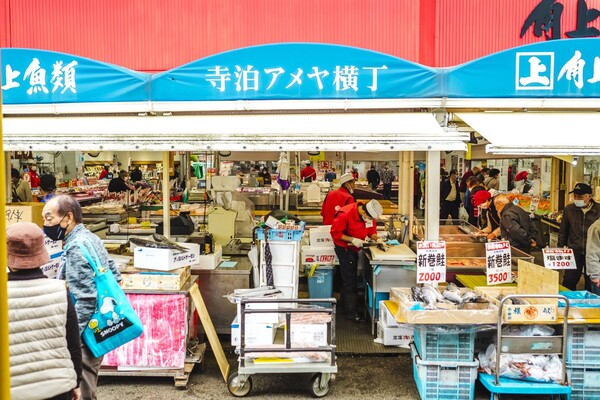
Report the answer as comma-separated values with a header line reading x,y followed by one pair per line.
x,y
374,209
346,178
25,246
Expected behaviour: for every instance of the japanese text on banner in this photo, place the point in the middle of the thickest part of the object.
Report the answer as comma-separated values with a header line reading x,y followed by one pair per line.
x,y
431,262
498,262
559,258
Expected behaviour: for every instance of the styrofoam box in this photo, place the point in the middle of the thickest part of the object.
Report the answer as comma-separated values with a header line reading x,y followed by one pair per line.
x,y
385,316
320,255
262,318
308,334
321,236
51,269
210,261
401,335
165,259
255,334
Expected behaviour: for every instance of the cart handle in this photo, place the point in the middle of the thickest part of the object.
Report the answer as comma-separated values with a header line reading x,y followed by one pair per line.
x,y
531,296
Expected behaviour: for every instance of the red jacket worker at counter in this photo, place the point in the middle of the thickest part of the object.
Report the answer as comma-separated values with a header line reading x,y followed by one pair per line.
x,y
353,225
338,198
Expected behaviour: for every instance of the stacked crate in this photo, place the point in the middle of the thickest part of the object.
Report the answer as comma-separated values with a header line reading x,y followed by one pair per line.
x,y
583,361
443,362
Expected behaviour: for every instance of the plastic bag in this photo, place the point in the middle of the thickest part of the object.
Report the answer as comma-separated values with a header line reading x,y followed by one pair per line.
x,y
463,214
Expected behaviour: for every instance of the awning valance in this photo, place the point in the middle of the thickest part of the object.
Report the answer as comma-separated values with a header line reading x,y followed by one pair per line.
x,y
246,132
537,132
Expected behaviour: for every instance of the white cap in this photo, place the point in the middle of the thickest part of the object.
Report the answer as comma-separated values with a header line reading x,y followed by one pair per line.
x,y
374,209
346,178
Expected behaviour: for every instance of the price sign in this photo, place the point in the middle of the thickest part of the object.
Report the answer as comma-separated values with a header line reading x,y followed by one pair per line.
x,y
431,262
498,262
559,258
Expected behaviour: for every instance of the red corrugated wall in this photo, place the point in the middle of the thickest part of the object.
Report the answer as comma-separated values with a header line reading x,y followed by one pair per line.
x,y
469,29
155,35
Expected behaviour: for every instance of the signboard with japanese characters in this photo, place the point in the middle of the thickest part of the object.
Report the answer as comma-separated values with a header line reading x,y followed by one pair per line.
x,y
296,71
562,68
32,76
498,262
431,262
559,258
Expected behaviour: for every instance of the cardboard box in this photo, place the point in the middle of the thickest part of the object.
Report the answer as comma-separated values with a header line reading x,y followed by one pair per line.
x,y
304,335
321,236
165,259
321,255
399,335
386,316
155,280
255,334
412,312
260,318
24,212
210,261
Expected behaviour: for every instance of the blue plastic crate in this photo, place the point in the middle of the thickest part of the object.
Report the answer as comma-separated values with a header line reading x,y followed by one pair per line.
x,y
585,381
277,235
437,343
444,380
379,296
583,345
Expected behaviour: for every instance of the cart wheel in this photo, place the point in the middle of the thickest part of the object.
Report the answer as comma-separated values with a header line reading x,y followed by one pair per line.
x,y
319,387
235,389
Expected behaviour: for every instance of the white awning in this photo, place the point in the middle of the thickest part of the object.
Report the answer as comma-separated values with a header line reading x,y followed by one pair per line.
x,y
247,132
542,133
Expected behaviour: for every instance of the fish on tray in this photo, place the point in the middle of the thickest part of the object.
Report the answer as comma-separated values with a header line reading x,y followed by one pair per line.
x,y
151,244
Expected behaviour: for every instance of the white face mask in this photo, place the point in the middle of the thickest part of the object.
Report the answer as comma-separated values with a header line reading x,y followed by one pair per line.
x,y
579,203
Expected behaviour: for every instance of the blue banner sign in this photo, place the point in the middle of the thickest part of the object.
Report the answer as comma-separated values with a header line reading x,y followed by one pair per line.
x,y
552,69
295,71
32,76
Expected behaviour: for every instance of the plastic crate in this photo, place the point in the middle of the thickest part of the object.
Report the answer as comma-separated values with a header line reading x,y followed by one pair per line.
x,y
379,296
278,235
585,382
583,345
444,380
435,343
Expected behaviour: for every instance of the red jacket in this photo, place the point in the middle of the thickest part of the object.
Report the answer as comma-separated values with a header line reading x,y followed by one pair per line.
x,y
34,179
333,202
348,222
308,172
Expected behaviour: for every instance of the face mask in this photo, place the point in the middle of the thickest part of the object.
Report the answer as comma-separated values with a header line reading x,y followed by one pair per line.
x,y
55,232
579,203
34,169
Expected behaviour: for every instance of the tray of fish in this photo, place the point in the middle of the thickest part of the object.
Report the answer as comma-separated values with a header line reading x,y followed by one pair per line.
x,y
449,304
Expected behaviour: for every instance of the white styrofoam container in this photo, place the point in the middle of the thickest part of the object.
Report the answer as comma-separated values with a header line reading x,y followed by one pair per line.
x,y
210,261
51,269
308,334
321,236
260,318
385,315
401,335
53,246
165,259
321,255
255,334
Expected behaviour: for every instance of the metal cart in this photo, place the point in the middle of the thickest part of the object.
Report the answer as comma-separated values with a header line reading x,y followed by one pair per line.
x,y
556,344
240,382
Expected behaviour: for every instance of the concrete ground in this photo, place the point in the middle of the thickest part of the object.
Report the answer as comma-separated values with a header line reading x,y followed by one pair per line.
x,y
388,377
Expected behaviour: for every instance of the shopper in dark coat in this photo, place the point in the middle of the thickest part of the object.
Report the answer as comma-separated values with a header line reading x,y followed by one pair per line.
x,y
449,197
515,224
577,219
373,178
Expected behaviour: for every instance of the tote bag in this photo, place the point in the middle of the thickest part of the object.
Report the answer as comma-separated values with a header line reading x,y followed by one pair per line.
x,y
114,322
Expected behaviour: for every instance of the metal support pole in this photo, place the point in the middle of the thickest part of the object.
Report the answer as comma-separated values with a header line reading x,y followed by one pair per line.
x,y
432,196
4,352
166,196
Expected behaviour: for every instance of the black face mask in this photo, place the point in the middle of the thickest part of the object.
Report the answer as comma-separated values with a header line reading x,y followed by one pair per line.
x,y
55,232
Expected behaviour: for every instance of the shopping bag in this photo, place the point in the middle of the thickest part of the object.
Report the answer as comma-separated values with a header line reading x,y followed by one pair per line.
x,y
114,322
463,214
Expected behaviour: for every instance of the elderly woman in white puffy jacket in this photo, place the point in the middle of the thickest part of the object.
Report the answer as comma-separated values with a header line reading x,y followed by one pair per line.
x,y
592,256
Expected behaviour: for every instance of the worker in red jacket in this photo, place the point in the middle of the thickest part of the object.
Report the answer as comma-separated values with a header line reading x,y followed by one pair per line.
x,y
338,198
353,225
308,174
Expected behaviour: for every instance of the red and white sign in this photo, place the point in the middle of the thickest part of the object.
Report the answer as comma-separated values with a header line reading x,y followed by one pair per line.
x,y
431,262
498,262
559,258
